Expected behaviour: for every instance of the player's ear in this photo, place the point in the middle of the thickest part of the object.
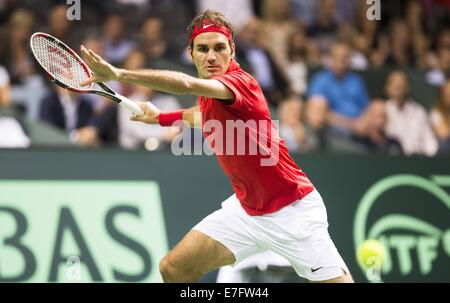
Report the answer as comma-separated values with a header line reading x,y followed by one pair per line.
x,y
233,50
191,56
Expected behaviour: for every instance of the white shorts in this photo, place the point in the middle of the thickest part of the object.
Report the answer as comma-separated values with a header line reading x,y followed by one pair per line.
x,y
298,232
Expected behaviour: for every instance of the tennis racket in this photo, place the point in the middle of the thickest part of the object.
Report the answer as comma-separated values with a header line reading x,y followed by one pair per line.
x,y
65,68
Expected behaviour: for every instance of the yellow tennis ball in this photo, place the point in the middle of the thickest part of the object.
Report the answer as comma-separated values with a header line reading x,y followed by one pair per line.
x,y
371,253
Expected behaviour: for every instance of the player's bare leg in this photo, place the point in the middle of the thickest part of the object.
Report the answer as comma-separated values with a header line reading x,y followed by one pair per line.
x,y
346,278
195,255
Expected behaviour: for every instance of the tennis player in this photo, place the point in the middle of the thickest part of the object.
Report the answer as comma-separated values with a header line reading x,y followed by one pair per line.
x,y
275,206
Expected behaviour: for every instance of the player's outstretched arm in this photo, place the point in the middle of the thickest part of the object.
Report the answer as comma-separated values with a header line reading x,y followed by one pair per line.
x,y
176,83
161,80
151,115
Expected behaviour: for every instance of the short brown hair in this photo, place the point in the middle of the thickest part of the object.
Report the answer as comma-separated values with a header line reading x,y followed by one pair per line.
x,y
214,17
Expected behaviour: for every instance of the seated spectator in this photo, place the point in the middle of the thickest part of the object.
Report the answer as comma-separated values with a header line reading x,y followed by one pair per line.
x,y
337,96
152,40
346,11
441,72
402,47
175,15
134,135
102,128
61,27
371,131
301,54
277,25
27,87
415,18
14,53
366,31
66,110
137,9
116,46
358,45
137,135
304,11
443,38
258,61
5,89
440,118
407,120
299,138
12,134
324,29
238,12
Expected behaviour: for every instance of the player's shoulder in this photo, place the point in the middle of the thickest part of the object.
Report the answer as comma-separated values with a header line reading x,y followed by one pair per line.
x,y
251,83
242,75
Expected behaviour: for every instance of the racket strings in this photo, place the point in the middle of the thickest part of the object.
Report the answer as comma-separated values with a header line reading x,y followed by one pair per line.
x,y
57,61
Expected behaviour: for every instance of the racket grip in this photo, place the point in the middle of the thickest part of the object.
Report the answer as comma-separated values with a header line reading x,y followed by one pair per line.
x,y
130,105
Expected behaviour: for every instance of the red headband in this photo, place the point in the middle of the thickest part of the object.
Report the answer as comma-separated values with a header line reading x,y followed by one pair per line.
x,y
208,27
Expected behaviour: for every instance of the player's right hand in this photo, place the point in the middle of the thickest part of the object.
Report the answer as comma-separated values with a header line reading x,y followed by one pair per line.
x,y
150,115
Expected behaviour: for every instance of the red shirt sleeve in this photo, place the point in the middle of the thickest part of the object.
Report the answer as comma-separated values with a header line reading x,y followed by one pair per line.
x,y
245,89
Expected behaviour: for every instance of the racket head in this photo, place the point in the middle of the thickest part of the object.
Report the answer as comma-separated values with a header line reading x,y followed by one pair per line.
x,y
61,64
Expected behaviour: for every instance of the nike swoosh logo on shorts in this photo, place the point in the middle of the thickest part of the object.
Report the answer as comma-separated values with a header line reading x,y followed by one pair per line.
x,y
316,269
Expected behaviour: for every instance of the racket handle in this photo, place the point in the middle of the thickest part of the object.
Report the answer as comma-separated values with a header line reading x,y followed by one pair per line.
x,y
130,105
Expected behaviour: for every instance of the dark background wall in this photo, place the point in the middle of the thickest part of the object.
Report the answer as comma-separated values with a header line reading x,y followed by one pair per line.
x,y
192,187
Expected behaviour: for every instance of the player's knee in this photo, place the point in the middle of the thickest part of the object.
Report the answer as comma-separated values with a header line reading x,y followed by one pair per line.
x,y
348,278
345,278
171,273
167,270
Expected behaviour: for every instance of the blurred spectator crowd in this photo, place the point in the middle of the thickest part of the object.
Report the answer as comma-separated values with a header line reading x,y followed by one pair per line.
x,y
336,81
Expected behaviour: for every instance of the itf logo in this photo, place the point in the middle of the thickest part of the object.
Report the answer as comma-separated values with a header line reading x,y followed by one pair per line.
x,y
408,216
74,11
374,10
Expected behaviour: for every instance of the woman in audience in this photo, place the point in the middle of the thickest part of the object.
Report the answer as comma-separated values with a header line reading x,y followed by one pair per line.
x,y
407,120
440,118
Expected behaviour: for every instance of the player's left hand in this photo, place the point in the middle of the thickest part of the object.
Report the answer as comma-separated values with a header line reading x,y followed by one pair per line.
x,y
103,71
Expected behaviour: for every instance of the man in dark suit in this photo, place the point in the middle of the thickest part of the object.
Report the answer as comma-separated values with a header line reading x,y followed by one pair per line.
x,y
66,110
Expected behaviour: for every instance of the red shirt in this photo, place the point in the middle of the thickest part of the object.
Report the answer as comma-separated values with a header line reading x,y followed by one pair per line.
x,y
262,186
